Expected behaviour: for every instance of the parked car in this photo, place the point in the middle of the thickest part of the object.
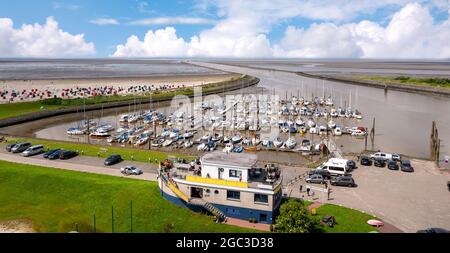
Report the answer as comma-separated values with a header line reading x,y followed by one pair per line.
x,y
55,155
131,170
382,155
343,181
35,150
351,165
10,146
392,165
396,157
324,173
405,166
20,147
46,154
366,161
379,162
114,159
315,179
68,154
434,231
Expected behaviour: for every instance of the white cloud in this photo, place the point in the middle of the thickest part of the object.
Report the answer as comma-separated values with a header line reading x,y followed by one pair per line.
x,y
410,33
163,42
105,21
173,21
36,40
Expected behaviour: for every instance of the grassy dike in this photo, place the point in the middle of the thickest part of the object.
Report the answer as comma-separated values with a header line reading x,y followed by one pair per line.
x,y
139,155
424,82
55,200
25,108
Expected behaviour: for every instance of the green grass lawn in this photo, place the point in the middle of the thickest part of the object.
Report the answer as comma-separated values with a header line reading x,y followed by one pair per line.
x,y
348,220
139,155
427,82
55,200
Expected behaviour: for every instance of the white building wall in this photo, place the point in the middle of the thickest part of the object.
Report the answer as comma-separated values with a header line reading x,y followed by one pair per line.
x,y
212,171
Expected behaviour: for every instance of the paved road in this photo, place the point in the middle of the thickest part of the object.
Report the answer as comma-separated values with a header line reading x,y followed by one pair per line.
x,y
83,164
410,201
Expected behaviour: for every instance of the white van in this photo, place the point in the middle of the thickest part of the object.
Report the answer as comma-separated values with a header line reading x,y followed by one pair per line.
x,y
335,166
35,150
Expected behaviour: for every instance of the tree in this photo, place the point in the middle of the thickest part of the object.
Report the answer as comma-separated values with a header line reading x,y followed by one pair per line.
x,y
295,218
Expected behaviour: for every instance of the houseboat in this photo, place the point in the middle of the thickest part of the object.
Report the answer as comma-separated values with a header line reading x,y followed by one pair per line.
x,y
228,185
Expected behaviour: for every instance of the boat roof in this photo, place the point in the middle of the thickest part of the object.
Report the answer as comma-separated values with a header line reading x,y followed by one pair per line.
x,y
242,160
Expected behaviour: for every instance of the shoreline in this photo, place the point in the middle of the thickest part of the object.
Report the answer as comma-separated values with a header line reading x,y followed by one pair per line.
x,y
386,86
243,81
380,85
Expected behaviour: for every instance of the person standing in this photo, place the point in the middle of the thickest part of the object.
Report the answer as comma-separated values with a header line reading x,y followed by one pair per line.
x,y
308,190
301,188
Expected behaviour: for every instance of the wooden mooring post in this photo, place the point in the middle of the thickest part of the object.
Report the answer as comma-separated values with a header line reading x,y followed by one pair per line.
x,y
435,144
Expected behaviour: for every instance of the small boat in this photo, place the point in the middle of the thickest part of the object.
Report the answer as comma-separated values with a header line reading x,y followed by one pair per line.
x,y
173,135
331,124
188,144
313,130
75,131
246,142
311,123
188,135
291,143
337,131
267,143
124,118
202,147
323,130
357,114
333,113
236,139
107,127
100,133
167,143
329,102
228,148
299,121
238,149
142,141
165,133
113,139
158,142
278,143
133,119
206,137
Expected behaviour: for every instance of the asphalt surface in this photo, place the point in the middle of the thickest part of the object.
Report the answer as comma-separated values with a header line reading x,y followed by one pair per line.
x,y
83,164
409,201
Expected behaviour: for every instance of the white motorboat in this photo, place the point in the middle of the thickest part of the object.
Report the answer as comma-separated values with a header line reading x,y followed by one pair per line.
x,y
311,123
124,118
337,131
142,141
323,130
167,143
291,143
331,124
188,135
278,143
236,139
300,122
228,148
188,144
75,131
313,130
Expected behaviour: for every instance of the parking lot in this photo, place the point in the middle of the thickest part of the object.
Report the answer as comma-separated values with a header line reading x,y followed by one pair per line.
x,y
83,164
410,201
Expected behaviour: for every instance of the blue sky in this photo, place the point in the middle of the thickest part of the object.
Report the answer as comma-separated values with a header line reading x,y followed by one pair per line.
x,y
278,28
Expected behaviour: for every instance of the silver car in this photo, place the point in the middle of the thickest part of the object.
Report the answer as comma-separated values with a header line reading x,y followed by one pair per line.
x,y
131,170
315,179
35,150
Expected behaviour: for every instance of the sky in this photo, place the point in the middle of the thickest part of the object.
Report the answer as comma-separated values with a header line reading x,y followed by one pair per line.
x,y
400,29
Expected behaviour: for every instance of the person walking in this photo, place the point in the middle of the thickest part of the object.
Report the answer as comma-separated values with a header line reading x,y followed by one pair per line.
x,y
301,188
308,190
328,193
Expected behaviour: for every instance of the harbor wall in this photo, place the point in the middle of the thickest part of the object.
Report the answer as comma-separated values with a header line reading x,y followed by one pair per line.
x,y
386,86
242,82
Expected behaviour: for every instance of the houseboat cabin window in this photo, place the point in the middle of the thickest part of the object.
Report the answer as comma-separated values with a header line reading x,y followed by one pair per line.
x,y
233,195
235,173
261,198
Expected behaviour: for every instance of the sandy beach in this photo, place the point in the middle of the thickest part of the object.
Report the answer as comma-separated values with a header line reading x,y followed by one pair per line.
x,y
121,84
